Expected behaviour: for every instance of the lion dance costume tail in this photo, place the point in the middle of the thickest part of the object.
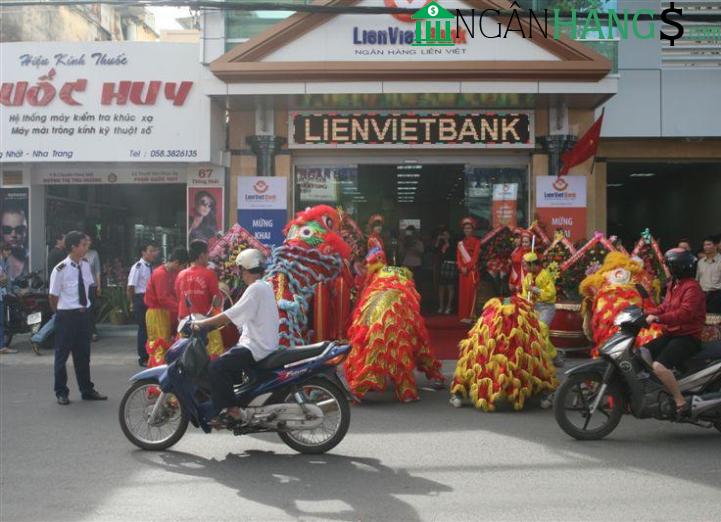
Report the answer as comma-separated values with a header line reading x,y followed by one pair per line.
x,y
388,335
507,354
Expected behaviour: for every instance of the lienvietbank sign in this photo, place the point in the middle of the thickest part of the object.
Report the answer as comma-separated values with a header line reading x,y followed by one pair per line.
x,y
411,129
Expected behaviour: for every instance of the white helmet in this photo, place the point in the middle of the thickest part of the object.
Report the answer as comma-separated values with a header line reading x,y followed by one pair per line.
x,y
250,258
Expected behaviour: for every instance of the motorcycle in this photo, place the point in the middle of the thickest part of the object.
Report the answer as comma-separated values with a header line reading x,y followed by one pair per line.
x,y
294,392
27,307
590,403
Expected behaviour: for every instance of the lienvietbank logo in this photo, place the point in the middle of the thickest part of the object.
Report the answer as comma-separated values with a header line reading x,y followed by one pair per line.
x,y
561,192
260,188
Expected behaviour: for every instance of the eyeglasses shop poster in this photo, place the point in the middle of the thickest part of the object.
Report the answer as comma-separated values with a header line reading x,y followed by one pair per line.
x,y
205,213
14,214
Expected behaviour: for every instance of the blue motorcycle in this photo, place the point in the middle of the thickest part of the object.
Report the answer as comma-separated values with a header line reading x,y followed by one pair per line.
x,y
295,393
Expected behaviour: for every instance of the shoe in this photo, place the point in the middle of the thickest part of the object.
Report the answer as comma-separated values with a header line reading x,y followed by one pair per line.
x,y
547,401
438,385
456,401
439,311
95,338
35,347
684,411
63,400
448,311
8,350
94,396
467,320
143,364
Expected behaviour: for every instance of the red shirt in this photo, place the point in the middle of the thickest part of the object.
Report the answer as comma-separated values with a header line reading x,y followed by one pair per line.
x,y
160,292
200,285
683,310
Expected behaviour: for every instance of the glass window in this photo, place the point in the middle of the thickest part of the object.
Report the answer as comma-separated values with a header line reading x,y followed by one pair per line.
x,y
497,196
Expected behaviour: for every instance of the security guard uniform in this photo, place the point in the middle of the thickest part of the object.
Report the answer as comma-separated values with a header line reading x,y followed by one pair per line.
x,y
70,282
138,278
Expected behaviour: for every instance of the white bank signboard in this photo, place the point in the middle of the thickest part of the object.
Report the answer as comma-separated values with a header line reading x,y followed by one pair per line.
x,y
102,101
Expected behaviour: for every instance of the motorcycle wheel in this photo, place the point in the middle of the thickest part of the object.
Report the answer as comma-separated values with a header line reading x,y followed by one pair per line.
x,y
135,410
572,406
336,421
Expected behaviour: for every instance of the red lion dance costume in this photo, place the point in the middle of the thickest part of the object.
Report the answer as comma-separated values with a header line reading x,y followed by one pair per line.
x,y
507,354
312,253
614,287
388,335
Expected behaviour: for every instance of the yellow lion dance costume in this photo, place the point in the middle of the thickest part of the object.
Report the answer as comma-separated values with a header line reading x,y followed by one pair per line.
x,y
618,284
507,354
388,334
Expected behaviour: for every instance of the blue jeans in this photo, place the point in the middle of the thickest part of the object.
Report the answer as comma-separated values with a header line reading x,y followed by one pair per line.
x,y
44,332
2,323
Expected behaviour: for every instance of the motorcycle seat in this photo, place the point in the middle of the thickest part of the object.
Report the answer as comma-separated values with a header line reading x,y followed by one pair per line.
x,y
710,353
291,355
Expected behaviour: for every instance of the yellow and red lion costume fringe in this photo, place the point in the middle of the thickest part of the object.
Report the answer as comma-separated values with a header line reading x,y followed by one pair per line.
x,y
388,334
608,291
507,354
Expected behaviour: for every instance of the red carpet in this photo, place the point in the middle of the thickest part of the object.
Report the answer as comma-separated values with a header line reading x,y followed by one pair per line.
x,y
446,332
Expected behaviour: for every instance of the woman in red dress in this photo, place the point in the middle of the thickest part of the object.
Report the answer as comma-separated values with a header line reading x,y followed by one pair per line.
x,y
375,229
523,248
467,252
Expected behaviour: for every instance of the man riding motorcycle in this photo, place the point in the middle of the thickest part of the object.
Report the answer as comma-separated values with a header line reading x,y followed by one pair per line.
x,y
256,316
683,313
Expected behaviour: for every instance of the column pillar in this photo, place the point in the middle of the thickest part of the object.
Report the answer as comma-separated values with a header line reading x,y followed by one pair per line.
x,y
265,148
555,145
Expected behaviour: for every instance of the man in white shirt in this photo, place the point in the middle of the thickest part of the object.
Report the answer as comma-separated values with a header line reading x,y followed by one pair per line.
x,y
708,274
256,316
137,283
70,298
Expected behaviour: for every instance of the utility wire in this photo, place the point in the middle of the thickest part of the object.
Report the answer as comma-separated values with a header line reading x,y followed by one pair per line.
x,y
221,5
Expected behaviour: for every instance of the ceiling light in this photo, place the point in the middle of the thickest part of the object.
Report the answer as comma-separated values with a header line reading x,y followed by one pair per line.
x,y
643,175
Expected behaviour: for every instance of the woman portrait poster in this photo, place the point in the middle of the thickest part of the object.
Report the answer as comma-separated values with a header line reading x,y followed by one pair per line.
x,y
205,213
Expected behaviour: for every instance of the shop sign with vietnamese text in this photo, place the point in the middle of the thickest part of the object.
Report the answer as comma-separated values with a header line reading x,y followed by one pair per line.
x,y
409,130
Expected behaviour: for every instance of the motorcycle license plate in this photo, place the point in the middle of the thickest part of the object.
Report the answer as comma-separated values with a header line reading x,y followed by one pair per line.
x,y
35,318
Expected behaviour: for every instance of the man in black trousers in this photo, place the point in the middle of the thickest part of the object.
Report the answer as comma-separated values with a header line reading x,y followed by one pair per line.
x,y
137,283
70,298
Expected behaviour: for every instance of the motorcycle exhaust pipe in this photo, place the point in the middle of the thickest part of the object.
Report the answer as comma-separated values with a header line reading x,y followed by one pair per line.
x,y
704,403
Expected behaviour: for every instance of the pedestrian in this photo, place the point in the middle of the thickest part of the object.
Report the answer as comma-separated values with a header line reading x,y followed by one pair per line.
x,y
55,257
93,258
684,243
448,271
523,246
4,284
412,252
70,298
375,232
467,253
708,274
162,303
198,292
539,287
57,253
137,283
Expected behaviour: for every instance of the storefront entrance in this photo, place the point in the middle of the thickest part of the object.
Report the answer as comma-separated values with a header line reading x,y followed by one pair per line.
x,y
428,196
120,217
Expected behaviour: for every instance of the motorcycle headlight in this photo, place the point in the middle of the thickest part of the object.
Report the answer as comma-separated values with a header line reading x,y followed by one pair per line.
x,y
615,346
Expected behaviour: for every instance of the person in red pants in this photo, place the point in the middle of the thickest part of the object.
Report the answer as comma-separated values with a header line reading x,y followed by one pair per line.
x,y
467,252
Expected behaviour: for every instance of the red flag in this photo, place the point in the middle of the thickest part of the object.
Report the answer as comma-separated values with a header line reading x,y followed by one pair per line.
x,y
585,148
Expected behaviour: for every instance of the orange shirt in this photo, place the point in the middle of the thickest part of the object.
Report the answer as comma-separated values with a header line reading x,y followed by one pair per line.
x,y
200,285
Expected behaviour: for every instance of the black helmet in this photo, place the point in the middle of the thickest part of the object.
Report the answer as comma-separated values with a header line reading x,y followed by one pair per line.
x,y
681,263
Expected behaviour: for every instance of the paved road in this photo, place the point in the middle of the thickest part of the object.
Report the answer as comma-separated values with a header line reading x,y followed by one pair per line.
x,y
422,461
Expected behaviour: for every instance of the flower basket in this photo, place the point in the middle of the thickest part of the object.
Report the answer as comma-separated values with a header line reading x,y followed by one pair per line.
x,y
584,262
